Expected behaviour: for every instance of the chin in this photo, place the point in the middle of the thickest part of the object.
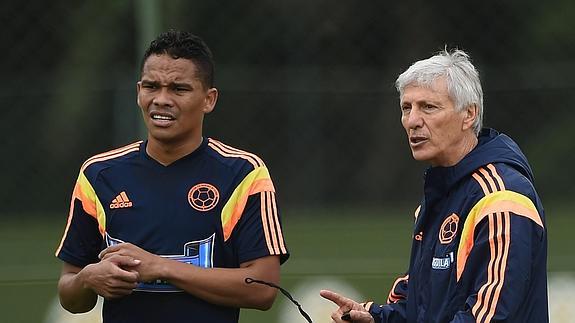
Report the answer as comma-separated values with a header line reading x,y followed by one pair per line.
x,y
421,156
162,137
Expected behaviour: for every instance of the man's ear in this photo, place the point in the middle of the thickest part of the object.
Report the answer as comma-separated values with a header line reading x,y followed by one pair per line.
x,y
138,88
210,100
470,115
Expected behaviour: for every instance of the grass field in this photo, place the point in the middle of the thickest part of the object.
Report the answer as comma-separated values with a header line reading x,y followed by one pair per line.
x,y
364,249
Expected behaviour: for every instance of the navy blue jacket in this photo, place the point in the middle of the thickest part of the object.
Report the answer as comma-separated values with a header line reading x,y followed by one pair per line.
x,y
479,246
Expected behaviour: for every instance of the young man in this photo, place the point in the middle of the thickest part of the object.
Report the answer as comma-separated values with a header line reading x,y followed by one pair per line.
x,y
168,229
479,243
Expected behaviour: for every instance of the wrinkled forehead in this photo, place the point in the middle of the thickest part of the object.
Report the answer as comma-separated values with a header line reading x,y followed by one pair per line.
x,y
432,82
165,66
436,87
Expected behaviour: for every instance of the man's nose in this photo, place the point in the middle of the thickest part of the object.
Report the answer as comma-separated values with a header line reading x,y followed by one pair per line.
x,y
414,119
163,97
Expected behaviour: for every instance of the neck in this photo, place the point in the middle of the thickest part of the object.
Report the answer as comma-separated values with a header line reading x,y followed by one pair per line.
x,y
461,150
166,153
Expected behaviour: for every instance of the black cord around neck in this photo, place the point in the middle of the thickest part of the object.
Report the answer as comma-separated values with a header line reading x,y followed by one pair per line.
x,y
283,291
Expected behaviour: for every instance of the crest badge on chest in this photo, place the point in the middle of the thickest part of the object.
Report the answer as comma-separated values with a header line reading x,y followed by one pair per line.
x,y
203,197
448,229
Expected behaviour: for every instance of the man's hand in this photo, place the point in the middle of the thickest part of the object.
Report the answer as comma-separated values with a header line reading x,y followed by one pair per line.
x,y
112,277
357,313
149,265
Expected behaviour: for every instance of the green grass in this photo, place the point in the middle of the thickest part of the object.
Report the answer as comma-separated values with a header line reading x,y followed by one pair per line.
x,y
28,268
366,249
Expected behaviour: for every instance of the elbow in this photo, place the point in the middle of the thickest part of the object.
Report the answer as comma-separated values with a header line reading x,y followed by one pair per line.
x,y
265,301
265,305
77,305
76,308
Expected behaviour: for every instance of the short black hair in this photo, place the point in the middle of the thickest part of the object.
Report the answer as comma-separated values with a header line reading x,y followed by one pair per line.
x,y
183,44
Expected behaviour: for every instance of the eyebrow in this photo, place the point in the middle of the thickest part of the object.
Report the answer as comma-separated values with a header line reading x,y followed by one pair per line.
x,y
171,84
421,102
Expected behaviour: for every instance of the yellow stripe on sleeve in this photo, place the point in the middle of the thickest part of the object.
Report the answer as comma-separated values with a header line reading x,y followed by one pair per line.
x,y
258,180
90,201
84,192
501,201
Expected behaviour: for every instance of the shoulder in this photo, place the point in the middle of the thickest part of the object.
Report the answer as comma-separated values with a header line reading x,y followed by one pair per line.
x,y
506,189
232,157
497,177
502,187
95,164
488,179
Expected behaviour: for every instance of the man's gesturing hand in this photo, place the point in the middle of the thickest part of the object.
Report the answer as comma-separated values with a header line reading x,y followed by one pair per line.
x,y
357,313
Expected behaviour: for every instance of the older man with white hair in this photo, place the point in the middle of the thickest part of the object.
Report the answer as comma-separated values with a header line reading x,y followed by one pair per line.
x,y
479,250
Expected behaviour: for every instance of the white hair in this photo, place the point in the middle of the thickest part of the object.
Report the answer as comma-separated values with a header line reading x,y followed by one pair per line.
x,y
463,84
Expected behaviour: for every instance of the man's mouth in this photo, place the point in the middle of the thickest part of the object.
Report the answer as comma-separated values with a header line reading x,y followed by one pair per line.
x,y
417,140
162,117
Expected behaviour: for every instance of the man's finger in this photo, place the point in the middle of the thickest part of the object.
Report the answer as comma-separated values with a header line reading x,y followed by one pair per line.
x,y
108,250
122,261
126,275
335,297
126,261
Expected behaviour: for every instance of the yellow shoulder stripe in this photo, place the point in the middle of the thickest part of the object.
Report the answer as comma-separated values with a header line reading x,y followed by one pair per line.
x,y
496,202
258,180
84,192
90,201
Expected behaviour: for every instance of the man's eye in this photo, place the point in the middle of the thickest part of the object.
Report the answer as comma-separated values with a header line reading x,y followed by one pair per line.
x,y
148,86
182,89
405,108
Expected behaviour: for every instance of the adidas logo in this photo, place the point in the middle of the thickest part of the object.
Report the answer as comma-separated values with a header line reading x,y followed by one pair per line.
x,y
121,201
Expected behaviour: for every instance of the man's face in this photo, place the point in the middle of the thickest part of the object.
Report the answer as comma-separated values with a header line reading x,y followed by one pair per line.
x,y
173,99
435,130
